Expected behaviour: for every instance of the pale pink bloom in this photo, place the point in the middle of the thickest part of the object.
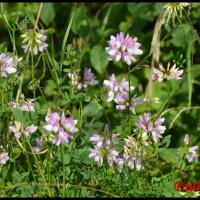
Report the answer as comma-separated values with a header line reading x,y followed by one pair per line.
x,y
155,128
16,129
62,127
95,153
123,47
186,139
38,146
8,64
4,158
30,129
172,73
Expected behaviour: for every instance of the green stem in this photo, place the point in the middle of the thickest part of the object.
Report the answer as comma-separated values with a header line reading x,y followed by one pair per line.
x,y
33,80
30,167
63,165
129,95
36,161
80,114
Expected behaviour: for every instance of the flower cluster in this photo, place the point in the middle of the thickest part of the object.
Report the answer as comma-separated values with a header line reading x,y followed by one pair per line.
x,y
119,92
8,64
34,41
4,158
104,147
88,79
174,9
123,47
169,74
38,147
18,129
147,126
62,128
191,151
25,105
133,153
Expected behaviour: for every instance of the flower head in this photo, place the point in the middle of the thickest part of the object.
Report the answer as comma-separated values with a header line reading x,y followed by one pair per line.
x,y
18,129
133,152
123,47
88,79
38,146
156,129
34,41
4,158
119,93
8,64
172,73
191,151
104,146
174,9
25,105
62,127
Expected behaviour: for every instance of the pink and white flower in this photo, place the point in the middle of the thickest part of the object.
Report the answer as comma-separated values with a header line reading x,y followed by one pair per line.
x,y
123,47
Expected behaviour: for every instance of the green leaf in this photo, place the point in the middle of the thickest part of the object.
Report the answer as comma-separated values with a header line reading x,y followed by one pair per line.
x,y
99,59
181,35
91,109
166,140
48,13
170,155
50,88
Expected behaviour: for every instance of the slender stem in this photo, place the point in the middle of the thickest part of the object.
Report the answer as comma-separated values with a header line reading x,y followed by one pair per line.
x,y
33,80
19,88
30,167
38,167
80,114
38,15
63,165
129,96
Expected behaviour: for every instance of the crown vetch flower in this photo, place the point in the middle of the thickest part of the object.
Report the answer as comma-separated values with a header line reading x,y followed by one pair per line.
x,y
18,129
96,154
62,127
34,41
123,47
25,105
133,152
191,151
8,64
119,93
174,9
4,158
88,79
104,147
38,146
172,73
147,126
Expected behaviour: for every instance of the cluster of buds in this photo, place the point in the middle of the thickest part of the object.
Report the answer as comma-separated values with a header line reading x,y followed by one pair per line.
x,y
34,41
